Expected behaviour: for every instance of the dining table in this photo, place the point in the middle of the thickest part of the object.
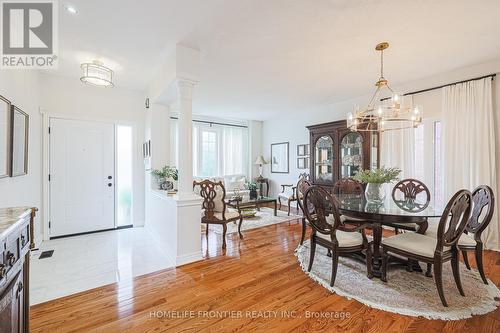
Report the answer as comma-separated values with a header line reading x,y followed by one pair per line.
x,y
387,213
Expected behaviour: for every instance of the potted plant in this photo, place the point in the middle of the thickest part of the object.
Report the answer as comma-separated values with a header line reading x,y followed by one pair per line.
x,y
374,180
166,177
252,186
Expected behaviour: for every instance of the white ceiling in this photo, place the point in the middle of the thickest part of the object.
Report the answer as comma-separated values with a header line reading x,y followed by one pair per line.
x,y
265,58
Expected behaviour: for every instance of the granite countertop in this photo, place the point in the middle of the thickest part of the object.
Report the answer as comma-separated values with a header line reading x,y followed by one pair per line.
x,y
10,216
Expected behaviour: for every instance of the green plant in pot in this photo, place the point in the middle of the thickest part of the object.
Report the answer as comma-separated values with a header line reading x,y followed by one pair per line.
x,y
166,177
375,180
252,186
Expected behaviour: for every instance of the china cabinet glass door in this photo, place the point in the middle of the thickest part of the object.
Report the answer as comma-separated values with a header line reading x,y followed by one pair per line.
x,y
324,159
351,154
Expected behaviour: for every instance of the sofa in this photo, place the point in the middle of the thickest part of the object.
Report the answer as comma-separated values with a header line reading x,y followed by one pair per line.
x,y
231,182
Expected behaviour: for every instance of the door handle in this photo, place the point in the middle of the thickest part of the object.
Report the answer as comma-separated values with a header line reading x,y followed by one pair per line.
x,y
109,184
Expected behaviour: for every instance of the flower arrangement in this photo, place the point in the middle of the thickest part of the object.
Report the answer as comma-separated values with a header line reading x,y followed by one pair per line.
x,y
252,186
377,176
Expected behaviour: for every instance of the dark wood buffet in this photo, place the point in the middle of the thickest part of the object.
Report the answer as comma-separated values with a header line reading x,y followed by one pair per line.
x,y
15,242
337,152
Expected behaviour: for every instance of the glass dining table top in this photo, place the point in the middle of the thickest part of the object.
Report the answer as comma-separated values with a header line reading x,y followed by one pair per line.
x,y
357,204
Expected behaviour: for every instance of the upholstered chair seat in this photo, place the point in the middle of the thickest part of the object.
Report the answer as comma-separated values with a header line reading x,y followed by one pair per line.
x,y
345,239
414,243
230,215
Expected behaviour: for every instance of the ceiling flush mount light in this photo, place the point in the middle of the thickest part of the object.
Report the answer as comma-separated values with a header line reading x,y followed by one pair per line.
x,y
70,9
97,74
385,114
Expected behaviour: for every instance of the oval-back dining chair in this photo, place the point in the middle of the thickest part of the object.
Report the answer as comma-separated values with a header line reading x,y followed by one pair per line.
x,y
329,232
410,195
483,205
434,251
302,185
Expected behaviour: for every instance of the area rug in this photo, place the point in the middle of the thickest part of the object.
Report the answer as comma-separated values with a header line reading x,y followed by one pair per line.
x,y
262,219
406,293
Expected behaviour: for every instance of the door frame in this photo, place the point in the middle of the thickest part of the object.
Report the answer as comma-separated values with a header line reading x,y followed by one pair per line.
x,y
45,123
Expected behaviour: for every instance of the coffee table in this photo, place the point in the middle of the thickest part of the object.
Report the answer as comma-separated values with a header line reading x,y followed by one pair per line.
x,y
252,203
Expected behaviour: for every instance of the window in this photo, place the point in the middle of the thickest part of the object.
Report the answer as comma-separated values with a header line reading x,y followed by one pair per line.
x,y
218,150
428,159
123,175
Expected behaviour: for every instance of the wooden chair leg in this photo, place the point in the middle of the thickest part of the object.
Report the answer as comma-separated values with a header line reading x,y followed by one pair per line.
x,y
224,229
279,201
206,229
456,271
303,231
369,258
335,264
466,259
438,278
396,231
313,251
297,208
385,259
479,261
239,227
289,202
428,272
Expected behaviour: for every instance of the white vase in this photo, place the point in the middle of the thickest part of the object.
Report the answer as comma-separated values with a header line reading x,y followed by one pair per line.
x,y
375,193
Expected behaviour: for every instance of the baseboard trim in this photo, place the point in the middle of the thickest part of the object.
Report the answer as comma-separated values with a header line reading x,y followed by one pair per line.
x,y
188,258
93,232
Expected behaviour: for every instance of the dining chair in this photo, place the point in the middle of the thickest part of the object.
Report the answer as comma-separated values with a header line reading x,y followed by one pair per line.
x,y
348,186
410,195
302,186
289,194
214,207
328,230
434,251
483,205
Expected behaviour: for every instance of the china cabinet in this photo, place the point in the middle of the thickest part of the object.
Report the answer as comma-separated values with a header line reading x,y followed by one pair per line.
x,y
337,152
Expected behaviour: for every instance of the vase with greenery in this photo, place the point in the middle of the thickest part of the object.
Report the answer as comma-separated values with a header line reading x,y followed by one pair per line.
x,y
252,186
374,180
166,177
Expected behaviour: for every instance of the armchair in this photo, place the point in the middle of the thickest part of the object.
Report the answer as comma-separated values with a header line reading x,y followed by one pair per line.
x,y
214,207
289,193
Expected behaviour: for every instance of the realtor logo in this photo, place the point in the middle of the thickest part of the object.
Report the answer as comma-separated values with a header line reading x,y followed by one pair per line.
x,y
29,34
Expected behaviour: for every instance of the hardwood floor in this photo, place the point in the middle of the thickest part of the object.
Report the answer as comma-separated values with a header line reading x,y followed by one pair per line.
x,y
258,273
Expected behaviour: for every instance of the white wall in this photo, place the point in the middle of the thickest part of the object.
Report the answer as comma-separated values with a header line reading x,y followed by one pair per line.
x,y
69,98
22,89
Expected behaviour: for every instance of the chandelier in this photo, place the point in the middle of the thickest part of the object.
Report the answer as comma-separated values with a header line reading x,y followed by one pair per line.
x,y
384,114
95,73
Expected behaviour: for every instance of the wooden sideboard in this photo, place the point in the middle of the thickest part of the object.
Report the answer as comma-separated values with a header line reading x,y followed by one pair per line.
x,y
337,152
15,242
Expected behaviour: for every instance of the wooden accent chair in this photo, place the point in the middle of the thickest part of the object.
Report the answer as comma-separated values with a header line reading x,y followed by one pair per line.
x,y
410,195
214,207
434,251
289,194
302,187
329,232
483,205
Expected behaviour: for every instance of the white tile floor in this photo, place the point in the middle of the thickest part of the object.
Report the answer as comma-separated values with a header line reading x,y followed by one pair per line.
x,y
84,262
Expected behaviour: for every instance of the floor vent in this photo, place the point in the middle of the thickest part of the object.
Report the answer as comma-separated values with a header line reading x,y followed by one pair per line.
x,y
46,254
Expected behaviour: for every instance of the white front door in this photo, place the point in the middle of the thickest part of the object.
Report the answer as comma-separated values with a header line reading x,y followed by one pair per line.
x,y
82,176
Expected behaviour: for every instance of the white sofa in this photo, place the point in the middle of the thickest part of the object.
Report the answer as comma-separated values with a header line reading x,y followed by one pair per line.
x,y
231,182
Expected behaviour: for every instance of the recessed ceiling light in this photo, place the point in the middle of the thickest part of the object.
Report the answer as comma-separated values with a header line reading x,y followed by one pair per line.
x,y
70,9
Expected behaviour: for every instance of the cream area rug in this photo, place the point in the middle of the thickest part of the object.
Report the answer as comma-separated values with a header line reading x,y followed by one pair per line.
x,y
262,219
406,293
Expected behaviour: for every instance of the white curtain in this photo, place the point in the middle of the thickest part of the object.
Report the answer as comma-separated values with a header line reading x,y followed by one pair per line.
x,y
469,143
234,150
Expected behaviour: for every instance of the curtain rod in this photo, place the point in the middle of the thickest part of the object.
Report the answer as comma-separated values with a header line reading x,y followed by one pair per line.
x,y
445,85
213,123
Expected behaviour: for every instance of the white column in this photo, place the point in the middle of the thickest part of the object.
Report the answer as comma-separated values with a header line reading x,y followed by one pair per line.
x,y
185,144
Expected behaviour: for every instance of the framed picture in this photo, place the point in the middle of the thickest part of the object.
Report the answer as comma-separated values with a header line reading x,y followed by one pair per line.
x,y
5,136
19,141
280,157
302,150
303,163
